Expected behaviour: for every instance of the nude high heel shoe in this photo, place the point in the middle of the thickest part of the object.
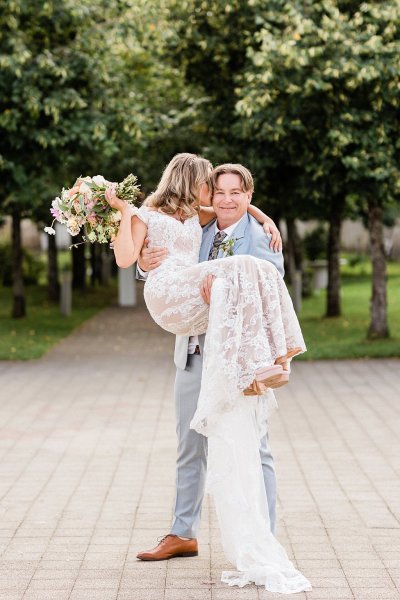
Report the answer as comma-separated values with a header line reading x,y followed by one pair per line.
x,y
284,378
265,378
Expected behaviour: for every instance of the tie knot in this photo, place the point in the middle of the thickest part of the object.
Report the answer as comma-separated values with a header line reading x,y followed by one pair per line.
x,y
219,236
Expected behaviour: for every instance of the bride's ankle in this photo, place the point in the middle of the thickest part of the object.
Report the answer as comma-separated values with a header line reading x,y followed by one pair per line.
x,y
280,360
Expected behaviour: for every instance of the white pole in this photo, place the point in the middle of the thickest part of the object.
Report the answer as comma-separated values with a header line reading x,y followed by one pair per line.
x,y
66,294
127,287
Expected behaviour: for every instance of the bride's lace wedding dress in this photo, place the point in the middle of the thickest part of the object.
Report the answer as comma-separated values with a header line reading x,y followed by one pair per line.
x,y
250,322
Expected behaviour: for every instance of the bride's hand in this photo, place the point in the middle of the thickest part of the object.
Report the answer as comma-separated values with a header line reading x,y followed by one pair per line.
x,y
113,200
205,288
276,239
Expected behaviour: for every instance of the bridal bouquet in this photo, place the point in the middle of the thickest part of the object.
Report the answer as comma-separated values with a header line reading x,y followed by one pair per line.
x,y
84,206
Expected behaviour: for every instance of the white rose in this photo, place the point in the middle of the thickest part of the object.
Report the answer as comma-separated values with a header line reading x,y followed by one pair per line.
x,y
116,216
92,236
99,180
85,189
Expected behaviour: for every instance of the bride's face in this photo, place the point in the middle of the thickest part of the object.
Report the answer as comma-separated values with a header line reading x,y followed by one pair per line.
x,y
204,195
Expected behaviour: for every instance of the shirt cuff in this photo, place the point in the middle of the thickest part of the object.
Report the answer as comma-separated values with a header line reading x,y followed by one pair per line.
x,y
141,272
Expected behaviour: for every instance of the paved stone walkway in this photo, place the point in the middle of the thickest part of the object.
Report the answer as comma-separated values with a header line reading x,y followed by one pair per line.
x,y
87,449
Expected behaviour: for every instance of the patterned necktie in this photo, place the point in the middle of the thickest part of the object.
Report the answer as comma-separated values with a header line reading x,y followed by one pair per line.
x,y
218,239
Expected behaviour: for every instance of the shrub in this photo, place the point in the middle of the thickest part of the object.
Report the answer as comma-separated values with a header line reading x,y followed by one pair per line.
x,y
315,243
356,259
32,267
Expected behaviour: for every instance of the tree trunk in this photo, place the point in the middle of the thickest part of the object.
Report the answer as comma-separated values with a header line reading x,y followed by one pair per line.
x,y
96,259
379,326
294,252
18,291
333,304
52,270
78,264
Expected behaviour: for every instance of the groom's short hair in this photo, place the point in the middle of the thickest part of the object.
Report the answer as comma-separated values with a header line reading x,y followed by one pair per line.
x,y
236,169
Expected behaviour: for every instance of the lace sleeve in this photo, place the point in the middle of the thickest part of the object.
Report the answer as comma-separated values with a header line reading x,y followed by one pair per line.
x,y
142,212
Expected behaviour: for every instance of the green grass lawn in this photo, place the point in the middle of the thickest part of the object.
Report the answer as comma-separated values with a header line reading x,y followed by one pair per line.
x,y
345,337
31,337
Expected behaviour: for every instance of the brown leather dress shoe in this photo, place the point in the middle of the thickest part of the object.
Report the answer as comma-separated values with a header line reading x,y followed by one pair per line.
x,y
171,546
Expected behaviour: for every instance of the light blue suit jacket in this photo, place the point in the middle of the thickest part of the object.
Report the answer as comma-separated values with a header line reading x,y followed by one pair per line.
x,y
250,239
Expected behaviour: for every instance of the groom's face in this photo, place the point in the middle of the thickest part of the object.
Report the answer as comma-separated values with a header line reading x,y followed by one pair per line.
x,y
230,202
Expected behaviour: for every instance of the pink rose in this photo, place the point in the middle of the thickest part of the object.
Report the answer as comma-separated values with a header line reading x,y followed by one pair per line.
x,y
92,219
74,190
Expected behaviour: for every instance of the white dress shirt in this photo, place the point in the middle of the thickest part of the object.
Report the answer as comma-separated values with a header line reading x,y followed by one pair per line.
x,y
194,340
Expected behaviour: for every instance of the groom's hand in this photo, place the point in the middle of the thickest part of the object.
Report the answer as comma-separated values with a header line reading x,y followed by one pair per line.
x,y
151,258
205,288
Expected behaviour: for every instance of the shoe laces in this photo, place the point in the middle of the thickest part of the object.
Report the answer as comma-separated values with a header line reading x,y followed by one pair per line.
x,y
162,538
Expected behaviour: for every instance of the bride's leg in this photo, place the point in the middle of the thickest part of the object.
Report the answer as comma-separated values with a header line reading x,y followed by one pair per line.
x,y
269,323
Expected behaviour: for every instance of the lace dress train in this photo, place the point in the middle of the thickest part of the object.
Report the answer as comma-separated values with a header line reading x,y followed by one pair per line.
x,y
250,323
234,425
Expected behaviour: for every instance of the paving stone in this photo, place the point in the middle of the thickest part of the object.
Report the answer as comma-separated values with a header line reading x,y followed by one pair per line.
x,y
198,582
332,594
51,584
64,574
92,594
139,595
101,583
376,593
188,594
371,582
264,595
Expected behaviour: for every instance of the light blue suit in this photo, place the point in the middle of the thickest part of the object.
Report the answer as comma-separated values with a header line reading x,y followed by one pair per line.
x,y
192,447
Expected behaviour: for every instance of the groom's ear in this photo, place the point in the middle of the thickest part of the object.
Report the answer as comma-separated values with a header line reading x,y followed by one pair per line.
x,y
250,195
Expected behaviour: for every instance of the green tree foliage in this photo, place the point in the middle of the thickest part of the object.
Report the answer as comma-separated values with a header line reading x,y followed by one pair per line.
x,y
322,93
210,47
83,90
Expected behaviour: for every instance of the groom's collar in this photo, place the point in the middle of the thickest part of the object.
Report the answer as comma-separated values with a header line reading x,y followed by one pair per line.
x,y
236,228
228,230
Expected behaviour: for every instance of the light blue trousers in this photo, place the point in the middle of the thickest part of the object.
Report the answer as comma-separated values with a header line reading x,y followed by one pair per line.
x,y
191,465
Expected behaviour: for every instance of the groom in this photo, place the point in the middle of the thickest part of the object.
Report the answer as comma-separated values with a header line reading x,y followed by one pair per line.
x,y
232,191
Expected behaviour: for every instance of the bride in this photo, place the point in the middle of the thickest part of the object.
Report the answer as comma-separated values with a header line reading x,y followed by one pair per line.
x,y
252,334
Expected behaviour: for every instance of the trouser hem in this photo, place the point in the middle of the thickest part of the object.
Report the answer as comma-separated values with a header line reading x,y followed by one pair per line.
x,y
188,533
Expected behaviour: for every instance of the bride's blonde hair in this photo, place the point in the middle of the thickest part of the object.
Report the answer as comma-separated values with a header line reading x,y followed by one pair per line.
x,y
179,185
